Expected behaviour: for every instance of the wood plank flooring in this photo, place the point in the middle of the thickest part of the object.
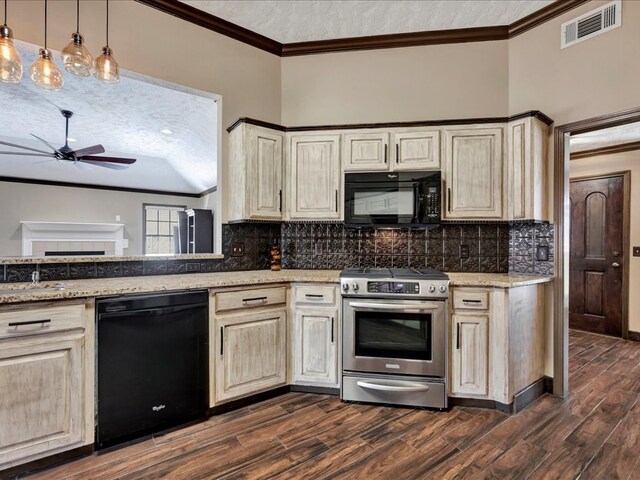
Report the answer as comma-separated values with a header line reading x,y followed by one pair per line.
x,y
594,434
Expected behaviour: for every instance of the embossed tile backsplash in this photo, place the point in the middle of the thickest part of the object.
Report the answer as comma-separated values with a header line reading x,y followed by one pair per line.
x,y
523,241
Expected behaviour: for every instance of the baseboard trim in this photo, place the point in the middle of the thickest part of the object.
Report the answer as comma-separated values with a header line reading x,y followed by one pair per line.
x,y
480,403
633,336
530,394
29,468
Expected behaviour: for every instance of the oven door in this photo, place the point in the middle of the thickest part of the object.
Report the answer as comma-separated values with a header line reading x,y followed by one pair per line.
x,y
403,337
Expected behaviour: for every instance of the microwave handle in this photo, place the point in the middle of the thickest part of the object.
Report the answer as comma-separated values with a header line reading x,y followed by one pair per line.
x,y
417,203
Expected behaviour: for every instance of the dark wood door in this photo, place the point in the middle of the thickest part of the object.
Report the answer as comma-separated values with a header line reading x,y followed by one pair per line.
x,y
596,257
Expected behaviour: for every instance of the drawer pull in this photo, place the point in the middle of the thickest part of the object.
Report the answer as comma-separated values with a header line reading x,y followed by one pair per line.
x,y
313,295
30,322
472,301
256,299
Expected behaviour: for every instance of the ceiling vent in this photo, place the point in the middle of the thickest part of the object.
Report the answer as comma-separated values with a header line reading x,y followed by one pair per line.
x,y
591,24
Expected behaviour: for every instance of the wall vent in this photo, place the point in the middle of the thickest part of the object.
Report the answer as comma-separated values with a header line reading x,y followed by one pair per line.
x,y
591,24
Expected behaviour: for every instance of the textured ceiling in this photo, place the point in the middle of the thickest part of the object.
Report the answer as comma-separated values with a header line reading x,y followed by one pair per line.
x,y
126,118
303,20
606,137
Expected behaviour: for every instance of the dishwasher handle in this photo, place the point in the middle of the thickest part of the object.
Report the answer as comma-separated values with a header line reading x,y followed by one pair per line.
x,y
153,312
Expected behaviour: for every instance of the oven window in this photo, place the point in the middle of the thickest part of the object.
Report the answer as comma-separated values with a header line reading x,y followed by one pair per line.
x,y
393,335
375,202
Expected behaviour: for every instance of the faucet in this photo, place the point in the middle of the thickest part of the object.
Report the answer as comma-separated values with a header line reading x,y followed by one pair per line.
x,y
35,277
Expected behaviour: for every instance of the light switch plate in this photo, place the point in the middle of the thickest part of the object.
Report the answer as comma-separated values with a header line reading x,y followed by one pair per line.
x,y
636,251
237,249
542,253
464,251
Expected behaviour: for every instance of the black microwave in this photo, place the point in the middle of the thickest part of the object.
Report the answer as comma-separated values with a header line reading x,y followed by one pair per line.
x,y
392,199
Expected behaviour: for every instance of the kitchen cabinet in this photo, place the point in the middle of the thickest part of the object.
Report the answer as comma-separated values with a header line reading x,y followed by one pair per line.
x,y
46,380
416,150
473,176
249,339
255,189
470,354
365,152
314,177
526,160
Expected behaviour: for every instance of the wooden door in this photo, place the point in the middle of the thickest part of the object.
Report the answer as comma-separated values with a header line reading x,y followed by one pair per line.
x,y
416,150
597,255
265,174
366,152
315,177
252,353
42,399
470,357
473,173
315,346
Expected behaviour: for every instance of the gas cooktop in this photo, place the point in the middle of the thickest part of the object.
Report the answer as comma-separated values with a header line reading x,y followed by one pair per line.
x,y
400,273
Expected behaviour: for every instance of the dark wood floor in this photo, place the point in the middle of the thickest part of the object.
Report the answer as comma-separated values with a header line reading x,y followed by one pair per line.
x,y
594,434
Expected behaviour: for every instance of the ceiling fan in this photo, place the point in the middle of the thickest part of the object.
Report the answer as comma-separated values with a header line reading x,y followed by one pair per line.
x,y
66,153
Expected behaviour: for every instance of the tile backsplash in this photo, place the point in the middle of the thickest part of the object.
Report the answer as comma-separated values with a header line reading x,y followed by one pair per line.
x,y
524,240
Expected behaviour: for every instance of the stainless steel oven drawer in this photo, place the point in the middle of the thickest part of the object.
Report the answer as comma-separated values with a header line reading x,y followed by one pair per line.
x,y
395,390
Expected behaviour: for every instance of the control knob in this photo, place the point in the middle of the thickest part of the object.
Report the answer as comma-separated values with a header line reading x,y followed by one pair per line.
x,y
355,287
345,287
443,288
432,288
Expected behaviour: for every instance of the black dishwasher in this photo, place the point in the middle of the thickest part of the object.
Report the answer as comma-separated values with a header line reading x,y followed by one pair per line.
x,y
152,364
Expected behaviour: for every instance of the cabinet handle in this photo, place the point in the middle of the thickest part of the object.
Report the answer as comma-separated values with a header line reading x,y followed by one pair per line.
x,y
386,148
313,295
471,301
280,195
221,341
332,321
397,153
336,201
449,199
29,322
458,336
256,299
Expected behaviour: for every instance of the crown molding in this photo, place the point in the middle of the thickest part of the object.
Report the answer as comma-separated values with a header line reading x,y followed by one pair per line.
x,y
396,40
608,150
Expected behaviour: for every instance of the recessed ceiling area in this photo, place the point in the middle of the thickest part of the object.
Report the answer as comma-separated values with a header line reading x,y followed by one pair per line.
x,y
606,137
289,21
130,119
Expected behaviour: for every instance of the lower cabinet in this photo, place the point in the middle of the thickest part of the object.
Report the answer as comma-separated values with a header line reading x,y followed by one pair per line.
x,y
251,354
315,346
470,354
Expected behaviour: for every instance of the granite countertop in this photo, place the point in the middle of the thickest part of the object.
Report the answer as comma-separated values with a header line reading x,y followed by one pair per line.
x,y
24,292
103,258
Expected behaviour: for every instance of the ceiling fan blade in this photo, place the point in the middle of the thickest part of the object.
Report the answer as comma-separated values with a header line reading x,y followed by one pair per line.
x,y
87,151
45,142
124,161
112,166
22,146
29,154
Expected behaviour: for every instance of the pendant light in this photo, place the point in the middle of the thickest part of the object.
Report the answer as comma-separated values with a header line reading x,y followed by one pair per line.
x,y
10,61
44,72
75,56
106,68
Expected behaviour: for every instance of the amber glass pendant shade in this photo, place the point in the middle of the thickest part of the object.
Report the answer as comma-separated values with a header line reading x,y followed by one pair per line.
x,y
10,61
106,68
76,58
45,74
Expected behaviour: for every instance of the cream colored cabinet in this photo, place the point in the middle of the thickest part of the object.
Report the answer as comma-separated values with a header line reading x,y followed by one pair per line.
x,y
526,169
315,346
416,150
470,354
46,380
255,189
314,177
365,152
473,173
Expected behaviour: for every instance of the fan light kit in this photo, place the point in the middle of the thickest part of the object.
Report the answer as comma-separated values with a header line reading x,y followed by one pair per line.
x,y
76,58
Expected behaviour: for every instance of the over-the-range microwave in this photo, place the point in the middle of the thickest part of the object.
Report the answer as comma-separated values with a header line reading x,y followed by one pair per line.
x,y
392,199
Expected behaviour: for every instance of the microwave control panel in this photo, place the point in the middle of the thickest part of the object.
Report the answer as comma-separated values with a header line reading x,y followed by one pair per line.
x,y
432,202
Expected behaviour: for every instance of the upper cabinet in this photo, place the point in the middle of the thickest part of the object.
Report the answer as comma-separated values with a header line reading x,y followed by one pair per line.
x,y
255,174
473,176
314,177
397,150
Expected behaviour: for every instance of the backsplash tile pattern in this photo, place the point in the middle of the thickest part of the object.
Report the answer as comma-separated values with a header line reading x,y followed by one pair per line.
x,y
257,240
523,240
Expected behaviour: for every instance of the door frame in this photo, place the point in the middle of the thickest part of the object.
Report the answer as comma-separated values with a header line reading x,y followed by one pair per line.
x,y
626,236
561,216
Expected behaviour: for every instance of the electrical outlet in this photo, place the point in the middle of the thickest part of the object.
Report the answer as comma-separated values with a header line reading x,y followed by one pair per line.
x,y
318,247
237,249
464,251
542,253
636,251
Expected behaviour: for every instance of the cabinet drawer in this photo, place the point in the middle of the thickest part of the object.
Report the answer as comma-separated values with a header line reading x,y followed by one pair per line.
x,y
243,299
471,299
316,294
41,320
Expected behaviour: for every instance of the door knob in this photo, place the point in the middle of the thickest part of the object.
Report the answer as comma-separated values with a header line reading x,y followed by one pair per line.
x,y
615,265
616,253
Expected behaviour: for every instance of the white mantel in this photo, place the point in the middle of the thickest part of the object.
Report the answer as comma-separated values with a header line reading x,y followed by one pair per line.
x,y
72,232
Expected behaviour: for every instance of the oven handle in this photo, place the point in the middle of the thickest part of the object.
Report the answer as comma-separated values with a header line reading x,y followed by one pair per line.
x,y
371,307
407,387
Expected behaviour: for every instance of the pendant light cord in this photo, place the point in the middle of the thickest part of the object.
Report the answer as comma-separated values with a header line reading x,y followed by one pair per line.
x,y
78,16
5,13
107,23
46,7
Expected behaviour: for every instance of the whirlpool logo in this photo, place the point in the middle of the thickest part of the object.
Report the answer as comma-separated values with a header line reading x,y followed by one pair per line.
x,y
158,408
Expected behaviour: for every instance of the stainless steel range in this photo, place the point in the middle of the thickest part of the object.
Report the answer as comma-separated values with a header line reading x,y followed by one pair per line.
x,y
394,342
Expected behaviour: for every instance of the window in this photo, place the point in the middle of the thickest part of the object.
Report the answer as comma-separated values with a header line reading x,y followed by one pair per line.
x,y
160,228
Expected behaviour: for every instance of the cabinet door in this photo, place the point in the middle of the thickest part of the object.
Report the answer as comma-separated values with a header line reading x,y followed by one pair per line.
x,y
315,346
265,174
42,400
470,357
473,173
315,177
416,150
365,152
251,353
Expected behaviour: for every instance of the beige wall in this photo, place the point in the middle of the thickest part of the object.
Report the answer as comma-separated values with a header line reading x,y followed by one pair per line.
x,y
617,163
416,83
26,202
